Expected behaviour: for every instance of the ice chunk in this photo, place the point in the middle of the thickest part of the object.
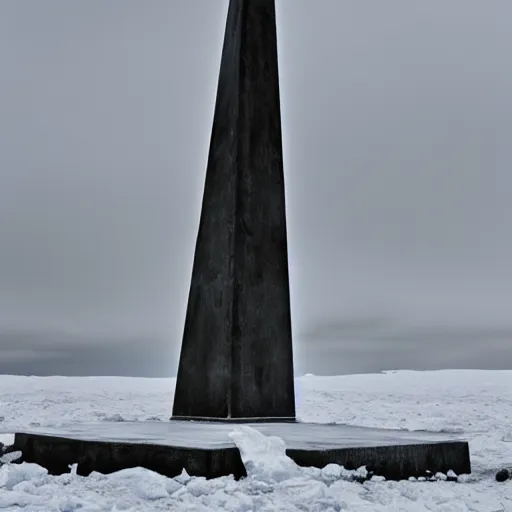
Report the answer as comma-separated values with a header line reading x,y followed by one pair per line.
x,y
264,457
145,484
10,457
13,474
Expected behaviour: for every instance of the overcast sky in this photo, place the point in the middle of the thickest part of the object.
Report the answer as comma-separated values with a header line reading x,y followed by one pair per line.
x,y
397,126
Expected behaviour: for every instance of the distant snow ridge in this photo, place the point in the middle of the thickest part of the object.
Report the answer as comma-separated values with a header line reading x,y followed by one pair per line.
x,y
117,418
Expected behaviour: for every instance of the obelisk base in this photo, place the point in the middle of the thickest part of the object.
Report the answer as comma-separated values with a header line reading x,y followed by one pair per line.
x,y
206,449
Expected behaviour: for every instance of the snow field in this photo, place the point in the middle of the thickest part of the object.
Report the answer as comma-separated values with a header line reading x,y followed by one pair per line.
x,y
477,404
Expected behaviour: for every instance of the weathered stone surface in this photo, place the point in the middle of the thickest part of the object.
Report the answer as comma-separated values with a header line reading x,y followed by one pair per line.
x,y
205,449
236,357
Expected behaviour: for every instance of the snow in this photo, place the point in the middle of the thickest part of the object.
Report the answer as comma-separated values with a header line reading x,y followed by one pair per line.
x,y
6,439
264,457
475,404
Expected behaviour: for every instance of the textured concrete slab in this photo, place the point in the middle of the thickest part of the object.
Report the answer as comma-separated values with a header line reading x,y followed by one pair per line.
x,y
205,449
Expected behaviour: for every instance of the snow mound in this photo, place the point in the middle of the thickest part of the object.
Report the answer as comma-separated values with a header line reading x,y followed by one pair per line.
x,y
264,457
13,474
144,484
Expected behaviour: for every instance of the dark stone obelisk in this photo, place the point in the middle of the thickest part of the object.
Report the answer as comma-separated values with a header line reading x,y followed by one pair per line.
x,y
236,358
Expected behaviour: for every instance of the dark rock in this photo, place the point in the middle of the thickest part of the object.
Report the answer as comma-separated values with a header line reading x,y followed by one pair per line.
x,y
503,475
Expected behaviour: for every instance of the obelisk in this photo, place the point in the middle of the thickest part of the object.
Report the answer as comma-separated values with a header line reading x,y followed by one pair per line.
x,y
236,357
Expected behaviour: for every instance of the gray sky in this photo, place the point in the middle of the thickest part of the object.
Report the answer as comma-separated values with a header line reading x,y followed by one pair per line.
x,y
397,126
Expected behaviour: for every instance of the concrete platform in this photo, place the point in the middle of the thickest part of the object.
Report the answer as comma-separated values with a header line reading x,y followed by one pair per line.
x,y
205,449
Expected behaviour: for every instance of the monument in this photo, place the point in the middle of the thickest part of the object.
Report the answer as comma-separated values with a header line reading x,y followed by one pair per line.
x,y
236,357
236,361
